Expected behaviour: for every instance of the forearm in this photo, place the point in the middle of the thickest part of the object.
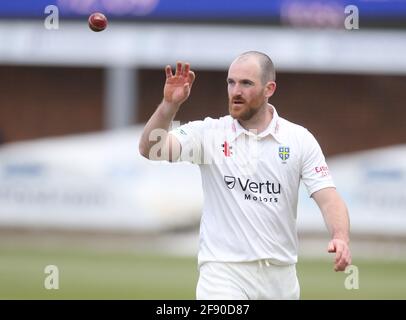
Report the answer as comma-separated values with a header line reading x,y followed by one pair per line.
x,y
161,119
336,217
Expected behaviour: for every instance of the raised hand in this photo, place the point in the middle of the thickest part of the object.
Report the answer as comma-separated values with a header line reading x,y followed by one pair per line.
x,y
177,87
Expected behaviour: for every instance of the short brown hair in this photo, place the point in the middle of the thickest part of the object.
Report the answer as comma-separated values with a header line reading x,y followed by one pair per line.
x,y
266,64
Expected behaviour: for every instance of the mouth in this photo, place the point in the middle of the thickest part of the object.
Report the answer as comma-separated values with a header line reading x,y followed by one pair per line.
x,y
237,102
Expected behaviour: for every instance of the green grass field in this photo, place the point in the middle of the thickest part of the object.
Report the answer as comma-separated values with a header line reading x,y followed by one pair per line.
x,y
95,275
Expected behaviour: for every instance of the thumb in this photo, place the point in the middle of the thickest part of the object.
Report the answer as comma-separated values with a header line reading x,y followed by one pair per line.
x,y
192,77
186,88
331,247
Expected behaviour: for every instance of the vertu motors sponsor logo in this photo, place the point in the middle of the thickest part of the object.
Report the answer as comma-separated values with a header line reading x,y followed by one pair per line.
x,y
230,181
256,191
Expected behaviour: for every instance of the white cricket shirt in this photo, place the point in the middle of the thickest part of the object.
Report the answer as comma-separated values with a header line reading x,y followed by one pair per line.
x,y
250,185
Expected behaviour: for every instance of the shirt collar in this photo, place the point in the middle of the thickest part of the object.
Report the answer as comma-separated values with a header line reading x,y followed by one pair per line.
x,y
273,128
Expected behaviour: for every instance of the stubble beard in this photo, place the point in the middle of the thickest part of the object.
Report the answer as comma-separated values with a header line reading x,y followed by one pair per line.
x,y
246,112
243,115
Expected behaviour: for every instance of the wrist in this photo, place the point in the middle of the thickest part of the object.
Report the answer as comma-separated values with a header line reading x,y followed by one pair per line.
x,y
169,109
171,105
344,238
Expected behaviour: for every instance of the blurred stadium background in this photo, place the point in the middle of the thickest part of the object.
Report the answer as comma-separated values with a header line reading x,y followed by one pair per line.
x,y
75,193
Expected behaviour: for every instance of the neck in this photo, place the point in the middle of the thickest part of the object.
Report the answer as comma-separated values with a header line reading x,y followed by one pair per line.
x,y
259,121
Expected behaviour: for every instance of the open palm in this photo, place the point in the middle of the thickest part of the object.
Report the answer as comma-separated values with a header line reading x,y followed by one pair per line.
x,y
177,87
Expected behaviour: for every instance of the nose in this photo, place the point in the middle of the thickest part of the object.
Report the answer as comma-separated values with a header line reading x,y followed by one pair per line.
x,y
236,90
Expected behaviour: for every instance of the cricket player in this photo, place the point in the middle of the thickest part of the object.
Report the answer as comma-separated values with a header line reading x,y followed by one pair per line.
x,y
251,163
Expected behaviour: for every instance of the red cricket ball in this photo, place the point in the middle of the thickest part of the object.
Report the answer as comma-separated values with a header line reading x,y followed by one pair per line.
x,y
97,21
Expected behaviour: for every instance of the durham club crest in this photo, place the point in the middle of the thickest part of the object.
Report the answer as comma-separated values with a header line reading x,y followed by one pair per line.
x,y
284,153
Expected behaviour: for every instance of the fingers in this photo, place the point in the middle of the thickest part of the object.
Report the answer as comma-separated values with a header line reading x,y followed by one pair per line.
x,y
345,256
186,70
168,71
339,254
344,261
342,256
182,70
178,68
331,248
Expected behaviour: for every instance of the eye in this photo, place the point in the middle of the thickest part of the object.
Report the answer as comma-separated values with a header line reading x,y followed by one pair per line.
x,y
230,81
247,82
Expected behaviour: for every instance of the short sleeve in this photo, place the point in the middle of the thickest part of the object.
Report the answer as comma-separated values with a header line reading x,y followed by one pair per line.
x,y
190,138
315,173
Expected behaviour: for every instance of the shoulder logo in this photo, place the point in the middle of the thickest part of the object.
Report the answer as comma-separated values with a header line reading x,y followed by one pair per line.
x,y
284,153
322,170
230,181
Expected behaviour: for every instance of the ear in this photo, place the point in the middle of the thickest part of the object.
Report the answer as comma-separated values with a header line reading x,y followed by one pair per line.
x,y
270,88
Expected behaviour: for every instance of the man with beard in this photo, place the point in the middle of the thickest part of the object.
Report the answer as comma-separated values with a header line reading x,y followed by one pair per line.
x,y
248,237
